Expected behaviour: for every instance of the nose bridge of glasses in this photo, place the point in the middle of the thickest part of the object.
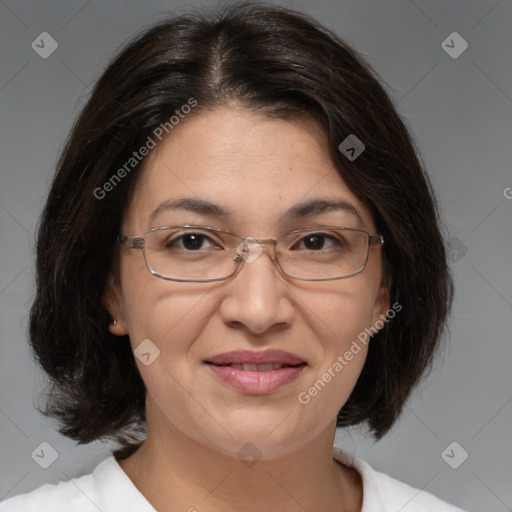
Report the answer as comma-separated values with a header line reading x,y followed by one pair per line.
x,y
251,248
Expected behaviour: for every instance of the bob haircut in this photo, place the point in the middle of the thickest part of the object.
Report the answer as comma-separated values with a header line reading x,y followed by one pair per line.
x,y
266,59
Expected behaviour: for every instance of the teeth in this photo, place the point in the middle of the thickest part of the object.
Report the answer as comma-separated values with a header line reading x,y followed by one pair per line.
x,y
266,367
251,367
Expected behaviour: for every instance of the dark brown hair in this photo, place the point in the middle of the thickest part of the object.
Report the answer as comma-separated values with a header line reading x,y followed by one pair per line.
x,y
267,59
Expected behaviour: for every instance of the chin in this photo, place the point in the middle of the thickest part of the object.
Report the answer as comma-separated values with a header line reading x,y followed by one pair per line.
x,y
265,437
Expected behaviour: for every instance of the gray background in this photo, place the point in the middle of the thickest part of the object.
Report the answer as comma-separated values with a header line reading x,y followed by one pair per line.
x,y
460,111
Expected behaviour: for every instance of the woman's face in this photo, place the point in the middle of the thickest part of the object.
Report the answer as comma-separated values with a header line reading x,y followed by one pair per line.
x,y
255,169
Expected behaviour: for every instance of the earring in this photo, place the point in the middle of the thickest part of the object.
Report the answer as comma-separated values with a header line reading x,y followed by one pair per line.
x,y
114,322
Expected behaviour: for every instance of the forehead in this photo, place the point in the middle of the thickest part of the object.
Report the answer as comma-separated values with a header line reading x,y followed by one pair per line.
x,y
254,167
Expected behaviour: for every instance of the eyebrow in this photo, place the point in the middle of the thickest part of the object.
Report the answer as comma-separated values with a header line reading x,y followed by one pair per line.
x,y
317,206
298,211
192,205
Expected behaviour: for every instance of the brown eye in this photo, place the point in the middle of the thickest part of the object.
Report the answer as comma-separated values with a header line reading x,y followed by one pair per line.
x,y
188,241
314,242
317,242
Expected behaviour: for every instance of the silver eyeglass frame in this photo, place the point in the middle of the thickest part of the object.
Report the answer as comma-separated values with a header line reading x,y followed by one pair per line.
x,y
138,242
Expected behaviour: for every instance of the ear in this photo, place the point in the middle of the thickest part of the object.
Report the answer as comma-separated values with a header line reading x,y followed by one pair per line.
x,y
382,302
113,302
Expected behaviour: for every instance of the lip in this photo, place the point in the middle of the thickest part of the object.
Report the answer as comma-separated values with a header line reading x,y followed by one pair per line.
x,y
256,382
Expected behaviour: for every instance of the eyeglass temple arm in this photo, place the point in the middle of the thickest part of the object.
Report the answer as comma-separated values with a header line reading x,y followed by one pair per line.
x,y
375,239
132,243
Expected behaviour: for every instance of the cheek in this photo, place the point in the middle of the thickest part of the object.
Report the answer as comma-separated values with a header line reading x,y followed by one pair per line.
x,y
341,315
342,322
173,321
163,311
171,316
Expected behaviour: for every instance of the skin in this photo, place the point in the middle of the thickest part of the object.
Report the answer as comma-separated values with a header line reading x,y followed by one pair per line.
x,y
256,168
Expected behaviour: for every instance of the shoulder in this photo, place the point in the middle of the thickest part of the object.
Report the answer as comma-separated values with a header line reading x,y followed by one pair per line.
x,y
106,488
384,493
78,494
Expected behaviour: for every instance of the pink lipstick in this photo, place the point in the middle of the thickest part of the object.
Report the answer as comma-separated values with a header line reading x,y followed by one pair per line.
x,y
256,372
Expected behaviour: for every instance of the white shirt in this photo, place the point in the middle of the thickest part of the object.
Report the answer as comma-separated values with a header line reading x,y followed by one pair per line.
x,y
109,489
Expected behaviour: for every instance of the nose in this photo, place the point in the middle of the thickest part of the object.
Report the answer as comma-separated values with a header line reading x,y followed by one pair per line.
x,y
258,299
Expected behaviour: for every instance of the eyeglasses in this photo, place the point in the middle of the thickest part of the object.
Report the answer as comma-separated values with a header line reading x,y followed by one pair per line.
x,y
202,253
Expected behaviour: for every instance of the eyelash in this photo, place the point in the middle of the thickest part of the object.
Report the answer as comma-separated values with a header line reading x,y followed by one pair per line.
x,y
203,237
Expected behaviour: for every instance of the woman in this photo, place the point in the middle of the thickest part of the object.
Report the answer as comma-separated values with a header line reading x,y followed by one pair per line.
x,y
240,252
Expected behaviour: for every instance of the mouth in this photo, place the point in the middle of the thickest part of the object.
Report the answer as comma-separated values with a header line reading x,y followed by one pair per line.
x,y
252,367
256,372
256,361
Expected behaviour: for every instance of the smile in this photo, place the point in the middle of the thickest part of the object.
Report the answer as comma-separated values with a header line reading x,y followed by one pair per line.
x,y
256,373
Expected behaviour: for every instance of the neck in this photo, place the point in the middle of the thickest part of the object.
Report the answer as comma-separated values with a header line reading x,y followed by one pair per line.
x,y
176,473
